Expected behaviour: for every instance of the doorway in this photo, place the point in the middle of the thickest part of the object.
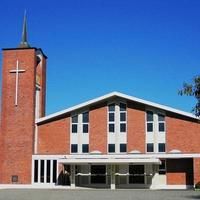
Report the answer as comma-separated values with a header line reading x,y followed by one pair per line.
x,y
98,174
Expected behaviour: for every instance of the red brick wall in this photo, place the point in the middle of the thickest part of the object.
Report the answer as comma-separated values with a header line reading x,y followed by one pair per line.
x,y
136,128
182,134
54,137
98,129
196,165
180,171
17,126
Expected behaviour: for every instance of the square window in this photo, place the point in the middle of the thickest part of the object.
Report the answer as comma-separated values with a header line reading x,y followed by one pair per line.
x,y
123,117
111,117
111,148
149,127
149,116
122,106
111,107
75,119
161,127
85,128
161,118
161,147
150,147
111,128
122,127
122,148
85,117
85,148
74,148
74,128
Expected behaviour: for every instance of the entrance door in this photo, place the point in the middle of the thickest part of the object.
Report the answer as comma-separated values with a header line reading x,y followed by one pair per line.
x,y
136,174
98,174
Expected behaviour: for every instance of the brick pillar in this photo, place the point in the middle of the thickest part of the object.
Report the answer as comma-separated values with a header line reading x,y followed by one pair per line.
x,y
196,166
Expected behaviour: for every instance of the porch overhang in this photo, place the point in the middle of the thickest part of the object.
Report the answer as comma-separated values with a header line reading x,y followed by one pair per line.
x,y
108,160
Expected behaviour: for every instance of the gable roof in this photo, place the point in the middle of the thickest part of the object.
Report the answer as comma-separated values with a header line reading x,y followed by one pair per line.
x,y
110,95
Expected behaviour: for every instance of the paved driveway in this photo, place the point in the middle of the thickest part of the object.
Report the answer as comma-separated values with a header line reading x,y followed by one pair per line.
x,y
56,194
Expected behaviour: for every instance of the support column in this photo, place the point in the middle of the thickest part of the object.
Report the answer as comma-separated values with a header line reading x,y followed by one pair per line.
x,y
72,184
196,169
112,186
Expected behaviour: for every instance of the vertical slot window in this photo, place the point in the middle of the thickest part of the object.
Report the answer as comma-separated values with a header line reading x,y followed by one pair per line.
x,y
75,124
161,123
122,117
85,122
149,119
111,118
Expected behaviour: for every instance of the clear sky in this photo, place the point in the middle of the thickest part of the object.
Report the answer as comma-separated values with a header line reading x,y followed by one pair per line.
x,y
143,48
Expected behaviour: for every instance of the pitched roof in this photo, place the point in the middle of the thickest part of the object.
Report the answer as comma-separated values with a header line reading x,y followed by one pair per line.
x,y
110,95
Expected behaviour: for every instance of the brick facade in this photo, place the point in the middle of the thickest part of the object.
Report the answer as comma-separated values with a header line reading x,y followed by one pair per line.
x,y
135,128
182,134
18,121
53,137
98,129
180,171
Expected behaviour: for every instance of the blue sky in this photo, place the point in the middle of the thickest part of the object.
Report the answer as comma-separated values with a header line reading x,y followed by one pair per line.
x,y
145,48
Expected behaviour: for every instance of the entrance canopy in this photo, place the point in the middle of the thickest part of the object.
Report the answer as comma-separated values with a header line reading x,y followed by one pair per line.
x,y
108,159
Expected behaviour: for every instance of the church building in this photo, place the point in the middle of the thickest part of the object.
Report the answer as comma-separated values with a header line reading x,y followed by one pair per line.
x,y
113,141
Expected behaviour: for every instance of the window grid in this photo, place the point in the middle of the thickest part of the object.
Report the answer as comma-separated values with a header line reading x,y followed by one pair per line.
x,y
122,117
74,124
161,123
149,120
111,118
85,122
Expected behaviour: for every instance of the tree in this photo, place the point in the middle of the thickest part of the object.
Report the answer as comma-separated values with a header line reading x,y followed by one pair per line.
x,y
193,89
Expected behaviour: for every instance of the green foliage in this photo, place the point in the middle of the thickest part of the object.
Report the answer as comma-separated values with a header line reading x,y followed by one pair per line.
x,y
193,89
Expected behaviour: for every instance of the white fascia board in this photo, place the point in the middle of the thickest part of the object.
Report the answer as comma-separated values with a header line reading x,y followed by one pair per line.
x,y
109,161
121,95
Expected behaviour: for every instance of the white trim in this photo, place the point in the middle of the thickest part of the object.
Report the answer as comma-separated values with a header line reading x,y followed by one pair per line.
x,y
108,161
121,95
118,156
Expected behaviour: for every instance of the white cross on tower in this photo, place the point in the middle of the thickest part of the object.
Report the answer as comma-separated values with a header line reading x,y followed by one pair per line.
x,y
17,71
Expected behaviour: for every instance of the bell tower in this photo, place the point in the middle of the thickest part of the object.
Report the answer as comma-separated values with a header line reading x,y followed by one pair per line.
x,y
22,101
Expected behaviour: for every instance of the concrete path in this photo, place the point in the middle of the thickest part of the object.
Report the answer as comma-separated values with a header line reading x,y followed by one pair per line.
x,y
58,194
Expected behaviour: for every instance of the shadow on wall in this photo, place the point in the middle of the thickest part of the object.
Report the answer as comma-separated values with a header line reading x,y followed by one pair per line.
x,y
180,171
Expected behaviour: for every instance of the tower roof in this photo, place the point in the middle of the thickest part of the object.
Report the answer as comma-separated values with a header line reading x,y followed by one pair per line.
x,y
24,42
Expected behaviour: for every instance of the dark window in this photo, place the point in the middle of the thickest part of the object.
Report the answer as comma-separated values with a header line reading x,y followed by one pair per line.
x,y
122,148
111,117
48,171
122,107
111,107
75,119
161,127
149,116
161,147
36,171
111,128
122,127
136,174
122,117
74,148
85,128
54,170
150,147
161,118
74,128
42,171
149,127
111,148
85,148
85,117
162,167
